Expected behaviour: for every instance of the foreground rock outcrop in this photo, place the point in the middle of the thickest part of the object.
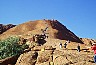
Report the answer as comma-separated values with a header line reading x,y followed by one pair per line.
x,y
28,58
52,54
72,57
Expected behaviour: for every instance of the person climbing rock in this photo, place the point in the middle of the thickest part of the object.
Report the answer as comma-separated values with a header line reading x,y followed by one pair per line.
x,y
94,49
60,45
78,48
65,44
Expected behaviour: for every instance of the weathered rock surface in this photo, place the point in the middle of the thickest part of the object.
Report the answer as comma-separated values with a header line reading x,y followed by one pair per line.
x,y
38,48
55,30
44,56
65,57
28,58
88,41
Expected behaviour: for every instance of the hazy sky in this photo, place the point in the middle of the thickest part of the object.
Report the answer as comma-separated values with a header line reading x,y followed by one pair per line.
x,y
79,16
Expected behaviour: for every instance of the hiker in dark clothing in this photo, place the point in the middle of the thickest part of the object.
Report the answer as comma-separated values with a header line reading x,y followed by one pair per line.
x,y
65,45
78,48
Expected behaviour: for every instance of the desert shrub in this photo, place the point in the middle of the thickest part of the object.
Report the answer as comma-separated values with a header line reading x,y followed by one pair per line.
x,y
10,47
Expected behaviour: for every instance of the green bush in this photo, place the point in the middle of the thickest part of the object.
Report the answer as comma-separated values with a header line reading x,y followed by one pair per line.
x,y
10,47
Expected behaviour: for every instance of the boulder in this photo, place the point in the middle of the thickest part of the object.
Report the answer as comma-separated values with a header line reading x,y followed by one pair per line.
x,y
28,58
61,60
44,56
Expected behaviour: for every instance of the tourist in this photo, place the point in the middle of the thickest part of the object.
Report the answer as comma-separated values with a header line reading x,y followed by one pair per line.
x,y
65,44
60,45
78,48
94,49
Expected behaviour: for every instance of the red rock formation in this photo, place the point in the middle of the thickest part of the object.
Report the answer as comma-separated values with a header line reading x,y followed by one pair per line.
x,y
63,33
55,30
4,28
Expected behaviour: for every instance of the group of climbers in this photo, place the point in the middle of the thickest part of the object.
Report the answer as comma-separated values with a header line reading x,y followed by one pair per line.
x,y
66,43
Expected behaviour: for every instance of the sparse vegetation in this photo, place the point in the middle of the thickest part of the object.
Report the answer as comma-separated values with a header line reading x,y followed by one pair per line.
x,y
10,47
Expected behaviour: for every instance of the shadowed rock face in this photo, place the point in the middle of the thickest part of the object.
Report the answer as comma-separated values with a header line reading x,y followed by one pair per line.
x,y
4,28
9,60
63,33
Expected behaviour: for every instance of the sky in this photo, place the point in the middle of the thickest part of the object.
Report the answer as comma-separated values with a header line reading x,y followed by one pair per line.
x,y
79,16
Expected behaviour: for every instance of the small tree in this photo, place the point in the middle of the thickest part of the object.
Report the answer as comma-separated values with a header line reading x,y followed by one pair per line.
x,y
10,47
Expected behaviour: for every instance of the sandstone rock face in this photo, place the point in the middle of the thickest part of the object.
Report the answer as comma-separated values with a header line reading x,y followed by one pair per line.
x,y
55,30
88,41
62,32
50,52
66,57
28,58
38,48
45,56
4,28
